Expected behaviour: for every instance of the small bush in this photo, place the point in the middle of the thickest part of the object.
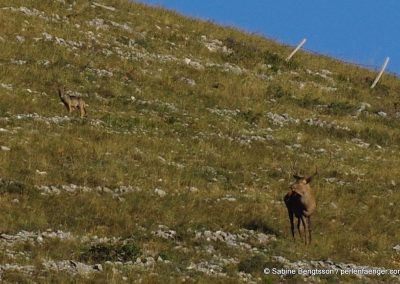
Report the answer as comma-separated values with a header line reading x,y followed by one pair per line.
x,y
111,252
276,91
13,187
250,116
256,264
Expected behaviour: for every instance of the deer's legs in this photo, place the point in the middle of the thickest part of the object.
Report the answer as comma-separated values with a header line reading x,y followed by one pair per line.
x,y
309,228
305,229
291,223
298,226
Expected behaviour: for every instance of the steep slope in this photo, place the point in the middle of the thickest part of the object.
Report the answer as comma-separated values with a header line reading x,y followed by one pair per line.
x,y
179,170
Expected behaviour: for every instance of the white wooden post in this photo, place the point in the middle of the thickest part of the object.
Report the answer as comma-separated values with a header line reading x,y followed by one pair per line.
x,y
296,49
380,73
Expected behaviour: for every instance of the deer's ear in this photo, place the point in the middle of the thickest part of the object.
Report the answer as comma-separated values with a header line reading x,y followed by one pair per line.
x,y
309,179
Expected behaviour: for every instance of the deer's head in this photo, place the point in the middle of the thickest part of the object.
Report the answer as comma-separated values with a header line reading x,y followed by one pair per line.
x,y
302,183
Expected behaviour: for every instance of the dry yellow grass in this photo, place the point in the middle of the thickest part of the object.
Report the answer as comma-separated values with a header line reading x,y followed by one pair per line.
x,y
167,116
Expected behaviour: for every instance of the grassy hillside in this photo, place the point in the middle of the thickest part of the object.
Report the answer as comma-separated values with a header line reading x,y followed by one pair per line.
x,y
177,173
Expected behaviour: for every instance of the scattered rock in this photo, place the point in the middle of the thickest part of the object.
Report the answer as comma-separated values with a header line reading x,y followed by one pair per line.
x,y
229,68
229,198
188,81
281,119
20,39
194,64
33,237
215,45
337,181
165,233
5,148
360,143
41,173
101,72
98,24
72,267
239,239
324,124
32,12
72,188
145,261
193,189
363,107
73,45
382,114
18,62
160,192
8,87
21,269
207,268
229,113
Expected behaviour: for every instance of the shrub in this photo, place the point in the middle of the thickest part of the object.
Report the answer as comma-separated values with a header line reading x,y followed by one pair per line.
x,y
111,252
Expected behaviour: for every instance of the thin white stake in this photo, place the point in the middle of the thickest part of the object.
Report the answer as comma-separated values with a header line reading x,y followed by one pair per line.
x,y
380,73
296,49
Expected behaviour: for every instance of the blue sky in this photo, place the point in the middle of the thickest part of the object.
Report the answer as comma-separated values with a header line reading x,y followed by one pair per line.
x,y
358,31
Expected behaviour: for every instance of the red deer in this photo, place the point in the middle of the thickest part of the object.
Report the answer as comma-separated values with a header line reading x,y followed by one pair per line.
x,y
300,202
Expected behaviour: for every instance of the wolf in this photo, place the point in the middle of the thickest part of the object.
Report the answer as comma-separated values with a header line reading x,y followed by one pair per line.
x,y
72,102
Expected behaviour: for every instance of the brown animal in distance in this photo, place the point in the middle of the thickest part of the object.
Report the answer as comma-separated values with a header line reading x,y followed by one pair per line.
x,y
300,202
72,102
